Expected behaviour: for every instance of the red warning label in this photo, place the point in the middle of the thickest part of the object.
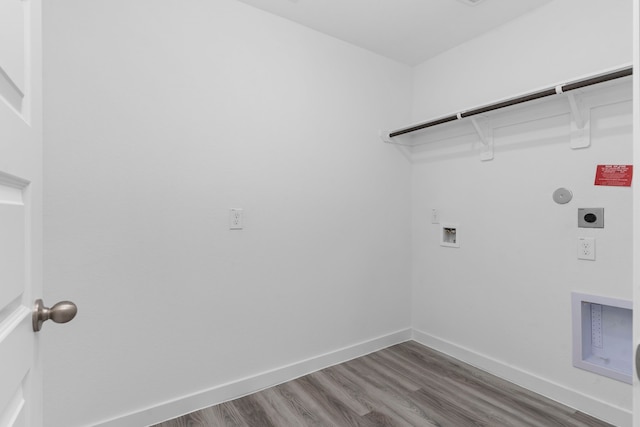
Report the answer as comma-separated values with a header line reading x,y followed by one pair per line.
x,y
614,175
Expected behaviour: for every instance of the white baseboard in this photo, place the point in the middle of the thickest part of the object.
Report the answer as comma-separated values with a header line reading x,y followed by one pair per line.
x,y
615,415
185,404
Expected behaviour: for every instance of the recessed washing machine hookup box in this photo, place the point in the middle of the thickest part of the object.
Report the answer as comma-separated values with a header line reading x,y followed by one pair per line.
x,y
602,335
450,235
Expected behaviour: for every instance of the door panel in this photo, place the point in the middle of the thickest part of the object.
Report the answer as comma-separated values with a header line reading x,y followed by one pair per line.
x,y
16,340
13,19
15,373
12,246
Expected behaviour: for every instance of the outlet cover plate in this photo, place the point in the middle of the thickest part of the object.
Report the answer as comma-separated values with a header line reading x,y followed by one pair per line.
x,y
236,219
587,248
435,216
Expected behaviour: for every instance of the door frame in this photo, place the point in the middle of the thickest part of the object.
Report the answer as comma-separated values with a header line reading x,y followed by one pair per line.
x,y
636,208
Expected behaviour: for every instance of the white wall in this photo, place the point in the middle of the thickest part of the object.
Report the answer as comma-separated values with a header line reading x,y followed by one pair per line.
x,y
502,300
162,115
555,43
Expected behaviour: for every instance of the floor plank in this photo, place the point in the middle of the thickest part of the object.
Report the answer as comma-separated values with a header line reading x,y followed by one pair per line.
x,y
403,385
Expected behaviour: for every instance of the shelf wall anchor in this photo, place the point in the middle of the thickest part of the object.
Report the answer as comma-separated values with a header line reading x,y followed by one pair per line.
x,y
485,133
580,122
384,136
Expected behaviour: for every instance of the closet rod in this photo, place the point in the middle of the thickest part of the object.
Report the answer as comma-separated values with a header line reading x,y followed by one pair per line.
x,y
519,100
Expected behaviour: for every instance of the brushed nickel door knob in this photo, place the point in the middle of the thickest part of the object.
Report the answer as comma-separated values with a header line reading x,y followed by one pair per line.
x,y
62,312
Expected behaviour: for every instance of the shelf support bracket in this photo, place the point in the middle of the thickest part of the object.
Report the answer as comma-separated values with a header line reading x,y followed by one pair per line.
x,y
384,136
580,123
485,133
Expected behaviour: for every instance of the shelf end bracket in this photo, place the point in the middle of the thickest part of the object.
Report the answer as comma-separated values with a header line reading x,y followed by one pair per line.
x,y
580,123
384,136
485,133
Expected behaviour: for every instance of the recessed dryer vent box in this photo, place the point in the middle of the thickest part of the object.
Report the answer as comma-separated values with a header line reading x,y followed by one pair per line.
x,y
591,217
602,337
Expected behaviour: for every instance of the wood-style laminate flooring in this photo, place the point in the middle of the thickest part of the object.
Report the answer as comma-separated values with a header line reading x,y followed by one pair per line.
x,y
403,385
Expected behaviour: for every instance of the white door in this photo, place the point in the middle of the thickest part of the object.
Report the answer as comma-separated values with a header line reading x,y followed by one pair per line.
x,y
20,211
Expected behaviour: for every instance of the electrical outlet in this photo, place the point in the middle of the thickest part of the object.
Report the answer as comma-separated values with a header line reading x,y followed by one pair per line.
x,y
587,248
235,219
435,216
